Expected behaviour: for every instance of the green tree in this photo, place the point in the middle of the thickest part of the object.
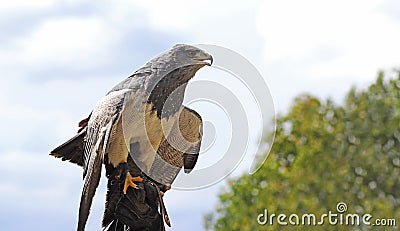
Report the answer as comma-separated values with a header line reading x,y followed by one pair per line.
x,y
324,154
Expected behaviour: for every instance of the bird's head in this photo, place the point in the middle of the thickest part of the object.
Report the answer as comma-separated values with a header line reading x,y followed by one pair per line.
x,y
187,55
173,70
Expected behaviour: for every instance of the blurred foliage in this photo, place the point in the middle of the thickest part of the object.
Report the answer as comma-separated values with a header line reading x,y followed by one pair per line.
x,y
324,154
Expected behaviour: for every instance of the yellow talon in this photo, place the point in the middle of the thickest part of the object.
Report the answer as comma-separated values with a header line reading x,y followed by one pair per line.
x,y
129,181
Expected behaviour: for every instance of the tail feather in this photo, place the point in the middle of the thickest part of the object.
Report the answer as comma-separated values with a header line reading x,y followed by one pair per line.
x,y
72,150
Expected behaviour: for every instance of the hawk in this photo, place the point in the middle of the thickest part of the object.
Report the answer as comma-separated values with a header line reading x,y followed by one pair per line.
x,y
140,117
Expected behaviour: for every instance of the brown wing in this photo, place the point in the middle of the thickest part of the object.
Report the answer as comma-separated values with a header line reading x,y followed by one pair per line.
x,y
180,149
191,126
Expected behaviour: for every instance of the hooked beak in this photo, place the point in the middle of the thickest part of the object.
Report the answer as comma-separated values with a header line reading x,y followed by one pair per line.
x,y
207,59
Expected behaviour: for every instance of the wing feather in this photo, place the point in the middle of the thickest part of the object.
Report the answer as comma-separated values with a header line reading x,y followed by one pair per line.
x,y
180,149
99,127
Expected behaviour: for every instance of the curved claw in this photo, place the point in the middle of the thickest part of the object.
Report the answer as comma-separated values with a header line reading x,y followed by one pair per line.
x,y
129,181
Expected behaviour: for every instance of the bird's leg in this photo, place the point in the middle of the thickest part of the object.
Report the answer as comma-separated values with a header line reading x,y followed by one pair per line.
x,y
119,170
129,181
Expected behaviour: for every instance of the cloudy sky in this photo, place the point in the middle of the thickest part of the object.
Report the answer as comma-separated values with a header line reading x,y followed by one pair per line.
x,y
57,58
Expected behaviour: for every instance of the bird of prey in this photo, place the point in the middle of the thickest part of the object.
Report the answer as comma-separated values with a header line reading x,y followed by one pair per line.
x,y
140,117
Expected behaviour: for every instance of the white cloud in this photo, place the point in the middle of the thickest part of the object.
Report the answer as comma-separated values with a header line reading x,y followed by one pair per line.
x,y
67,40
8,6
293,28
362,36
165,14
338,42
181,16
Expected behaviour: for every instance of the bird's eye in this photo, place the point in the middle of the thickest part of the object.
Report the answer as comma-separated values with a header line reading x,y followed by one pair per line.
x,y
192,53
